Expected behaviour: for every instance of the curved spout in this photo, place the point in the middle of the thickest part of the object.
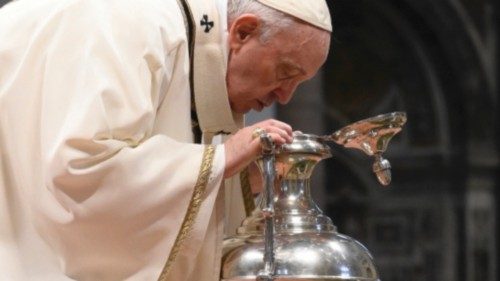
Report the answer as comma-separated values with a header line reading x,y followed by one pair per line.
x,y
372,136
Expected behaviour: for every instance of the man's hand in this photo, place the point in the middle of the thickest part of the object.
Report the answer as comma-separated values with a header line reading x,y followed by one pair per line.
x,y
255,178
241,149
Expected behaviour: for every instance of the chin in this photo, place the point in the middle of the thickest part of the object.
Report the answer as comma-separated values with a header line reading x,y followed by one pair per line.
x,y
239,110
246,111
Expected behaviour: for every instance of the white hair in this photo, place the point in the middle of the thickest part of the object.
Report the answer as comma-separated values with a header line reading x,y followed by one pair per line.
x,y
272,20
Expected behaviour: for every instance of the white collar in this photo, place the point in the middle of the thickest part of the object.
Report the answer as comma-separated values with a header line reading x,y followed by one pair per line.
x,y
222,8
212,104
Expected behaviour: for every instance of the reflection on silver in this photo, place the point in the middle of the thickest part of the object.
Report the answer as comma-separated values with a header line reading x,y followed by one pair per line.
x,y
372,136
306,244
268,171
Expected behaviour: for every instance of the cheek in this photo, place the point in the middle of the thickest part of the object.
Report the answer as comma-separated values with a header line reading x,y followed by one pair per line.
x,y
250,77
262,75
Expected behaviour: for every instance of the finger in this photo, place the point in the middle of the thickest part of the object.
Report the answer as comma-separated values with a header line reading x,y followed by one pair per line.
x,y
281,132
274,126
282,125
276,123
256,144
277,139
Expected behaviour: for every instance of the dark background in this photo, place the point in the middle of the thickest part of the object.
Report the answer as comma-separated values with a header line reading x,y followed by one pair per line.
x,y
437,60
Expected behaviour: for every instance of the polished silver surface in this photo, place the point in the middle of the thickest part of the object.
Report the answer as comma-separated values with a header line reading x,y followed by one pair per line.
x,y
269,174
305,245
294,209
306,256
372,136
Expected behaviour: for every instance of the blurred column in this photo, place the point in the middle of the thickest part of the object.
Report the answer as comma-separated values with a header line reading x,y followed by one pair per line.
x,y
481,240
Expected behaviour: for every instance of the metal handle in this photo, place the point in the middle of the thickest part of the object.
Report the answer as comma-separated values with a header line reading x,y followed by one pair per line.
x,y
269,174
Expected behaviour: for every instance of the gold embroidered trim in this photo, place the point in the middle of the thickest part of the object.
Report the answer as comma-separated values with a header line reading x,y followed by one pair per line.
x,y
192,211
246,190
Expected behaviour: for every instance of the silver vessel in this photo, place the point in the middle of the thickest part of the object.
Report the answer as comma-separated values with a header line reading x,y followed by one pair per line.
x,y
288,237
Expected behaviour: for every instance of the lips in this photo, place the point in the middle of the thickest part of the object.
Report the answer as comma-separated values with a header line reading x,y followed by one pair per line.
x,y
257,105
267,103
261,105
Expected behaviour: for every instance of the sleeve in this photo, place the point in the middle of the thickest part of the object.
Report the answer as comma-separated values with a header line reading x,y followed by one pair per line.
x,y
114,188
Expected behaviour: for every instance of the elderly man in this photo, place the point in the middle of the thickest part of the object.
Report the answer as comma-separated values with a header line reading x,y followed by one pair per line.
x,y
120,120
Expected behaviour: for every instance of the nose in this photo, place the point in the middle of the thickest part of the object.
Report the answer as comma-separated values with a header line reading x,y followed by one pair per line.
x,y
285,92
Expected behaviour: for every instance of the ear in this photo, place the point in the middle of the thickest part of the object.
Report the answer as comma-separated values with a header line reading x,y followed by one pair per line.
x,y
242,29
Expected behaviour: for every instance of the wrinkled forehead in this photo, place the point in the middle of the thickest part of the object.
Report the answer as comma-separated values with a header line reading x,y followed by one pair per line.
x,y
306,46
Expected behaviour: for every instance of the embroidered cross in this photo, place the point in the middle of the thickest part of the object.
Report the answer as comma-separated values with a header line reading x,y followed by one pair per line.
x,y
208,24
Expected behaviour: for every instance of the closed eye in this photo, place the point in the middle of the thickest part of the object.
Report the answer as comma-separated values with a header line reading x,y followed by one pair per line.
x,y
288,70
288,74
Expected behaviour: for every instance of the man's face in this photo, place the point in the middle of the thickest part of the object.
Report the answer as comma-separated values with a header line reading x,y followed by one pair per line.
x,y
260,74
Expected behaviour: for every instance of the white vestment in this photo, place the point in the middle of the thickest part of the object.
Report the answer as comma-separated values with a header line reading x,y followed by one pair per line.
x,y
98,170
